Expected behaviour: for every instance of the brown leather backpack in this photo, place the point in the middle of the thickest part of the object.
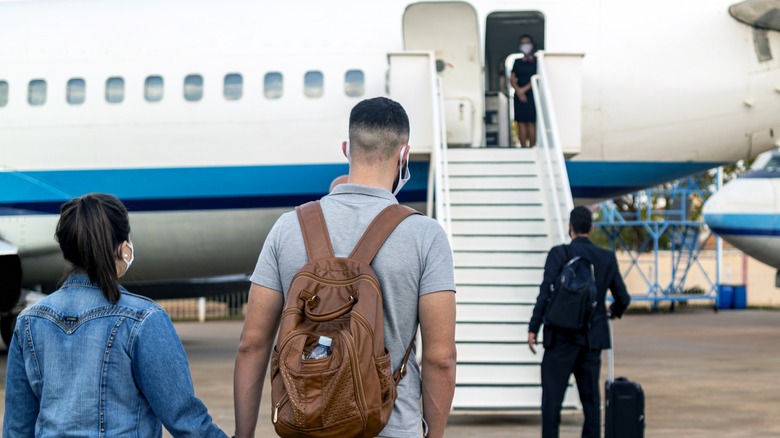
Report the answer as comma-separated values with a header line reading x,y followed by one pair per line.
x,y
351,392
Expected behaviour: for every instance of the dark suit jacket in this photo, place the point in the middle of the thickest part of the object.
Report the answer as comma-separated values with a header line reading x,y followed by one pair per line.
x,y
607,277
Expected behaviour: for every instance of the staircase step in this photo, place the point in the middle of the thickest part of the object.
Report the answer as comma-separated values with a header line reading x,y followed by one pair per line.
x,y
500,243
514,313
505,398
497,169
496,197
500,227
483,154
499,353
491,332
497,212
496,294
494,182
500,259
500,276
498,374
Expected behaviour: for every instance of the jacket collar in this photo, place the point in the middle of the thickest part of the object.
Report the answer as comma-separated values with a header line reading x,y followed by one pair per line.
x,y
582,240
79,280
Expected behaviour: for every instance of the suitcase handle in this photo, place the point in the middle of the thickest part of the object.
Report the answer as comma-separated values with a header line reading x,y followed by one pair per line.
x,y
611,352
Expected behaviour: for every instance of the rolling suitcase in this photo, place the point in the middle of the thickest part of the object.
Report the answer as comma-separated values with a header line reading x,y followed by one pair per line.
x,y
624,403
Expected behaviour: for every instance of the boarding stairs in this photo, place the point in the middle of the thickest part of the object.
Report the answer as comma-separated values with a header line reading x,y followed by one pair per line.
x,y
503,209
500,237
506,208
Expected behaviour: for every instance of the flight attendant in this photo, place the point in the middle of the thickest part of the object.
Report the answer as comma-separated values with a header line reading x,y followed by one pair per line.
x,y
520,79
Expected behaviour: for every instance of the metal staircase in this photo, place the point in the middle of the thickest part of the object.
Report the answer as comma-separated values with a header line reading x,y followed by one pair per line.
x,y
503,209
500,237
506,208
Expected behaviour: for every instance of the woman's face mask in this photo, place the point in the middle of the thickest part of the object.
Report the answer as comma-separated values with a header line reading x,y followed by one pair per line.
x,y
526,48
129,261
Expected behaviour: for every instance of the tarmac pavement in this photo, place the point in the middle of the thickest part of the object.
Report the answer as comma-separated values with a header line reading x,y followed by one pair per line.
x,y
704,374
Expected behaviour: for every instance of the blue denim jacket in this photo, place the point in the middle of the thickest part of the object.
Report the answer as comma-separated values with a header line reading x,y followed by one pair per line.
x,y
79,366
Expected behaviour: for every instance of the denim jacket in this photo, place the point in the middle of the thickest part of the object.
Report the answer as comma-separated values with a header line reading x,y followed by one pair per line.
x,y
79,366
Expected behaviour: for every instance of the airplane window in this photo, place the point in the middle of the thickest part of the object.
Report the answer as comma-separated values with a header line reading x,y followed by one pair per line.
x,y
273,85
3,93
193,88
234,86
115,89
153,88
313,84
76,91
354,83
36,93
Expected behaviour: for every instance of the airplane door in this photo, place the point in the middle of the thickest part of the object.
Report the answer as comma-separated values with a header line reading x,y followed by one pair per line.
x,y
451,31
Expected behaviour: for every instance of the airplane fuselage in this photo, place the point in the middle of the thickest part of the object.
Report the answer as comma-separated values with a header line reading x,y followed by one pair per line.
x,y
206,165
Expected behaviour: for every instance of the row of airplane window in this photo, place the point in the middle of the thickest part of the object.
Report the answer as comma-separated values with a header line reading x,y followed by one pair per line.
x,y
233,87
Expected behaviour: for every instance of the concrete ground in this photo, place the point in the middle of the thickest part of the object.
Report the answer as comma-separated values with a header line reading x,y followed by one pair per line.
x,y
704,375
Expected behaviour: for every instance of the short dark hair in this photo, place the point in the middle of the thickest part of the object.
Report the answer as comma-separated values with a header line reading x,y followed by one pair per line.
x,y
581,220
90,232
376,128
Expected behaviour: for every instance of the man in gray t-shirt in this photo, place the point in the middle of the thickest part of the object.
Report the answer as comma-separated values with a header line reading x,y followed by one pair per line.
x,y
414,267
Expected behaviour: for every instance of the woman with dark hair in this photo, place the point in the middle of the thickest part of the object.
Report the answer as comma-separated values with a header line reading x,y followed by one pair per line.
x,y
92,359
520,79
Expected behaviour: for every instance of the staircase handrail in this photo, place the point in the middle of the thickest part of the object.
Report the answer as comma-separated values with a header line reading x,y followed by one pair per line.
x,y
549,138
439,159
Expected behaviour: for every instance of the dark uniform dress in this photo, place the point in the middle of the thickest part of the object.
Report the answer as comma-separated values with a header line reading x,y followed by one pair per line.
x,y
523,69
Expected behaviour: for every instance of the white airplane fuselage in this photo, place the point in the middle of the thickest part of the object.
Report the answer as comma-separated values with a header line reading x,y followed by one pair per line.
x,y
746,211
669,89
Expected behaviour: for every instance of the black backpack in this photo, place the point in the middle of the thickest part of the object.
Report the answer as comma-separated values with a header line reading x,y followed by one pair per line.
x,y
572,294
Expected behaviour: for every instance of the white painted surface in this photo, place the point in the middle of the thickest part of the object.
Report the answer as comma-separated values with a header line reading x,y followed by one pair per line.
x,y
509,259
497,294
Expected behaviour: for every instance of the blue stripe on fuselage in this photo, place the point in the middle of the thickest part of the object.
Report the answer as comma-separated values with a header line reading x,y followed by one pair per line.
x,y
209,188
741,224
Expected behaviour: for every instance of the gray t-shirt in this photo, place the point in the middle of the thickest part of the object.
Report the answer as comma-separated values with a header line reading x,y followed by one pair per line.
x,y
415,260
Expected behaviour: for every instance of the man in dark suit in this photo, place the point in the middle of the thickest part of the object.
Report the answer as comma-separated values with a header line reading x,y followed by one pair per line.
x,y
576,351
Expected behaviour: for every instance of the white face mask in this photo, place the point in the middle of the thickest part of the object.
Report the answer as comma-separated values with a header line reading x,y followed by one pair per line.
x,y
347,150
404,175
526,48
129,261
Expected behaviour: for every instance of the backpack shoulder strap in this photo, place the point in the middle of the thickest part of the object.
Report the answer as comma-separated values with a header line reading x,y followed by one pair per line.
x,y
315,231
379,230
401,372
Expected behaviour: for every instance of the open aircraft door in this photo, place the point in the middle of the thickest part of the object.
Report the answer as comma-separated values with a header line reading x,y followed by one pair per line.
x,y
451,31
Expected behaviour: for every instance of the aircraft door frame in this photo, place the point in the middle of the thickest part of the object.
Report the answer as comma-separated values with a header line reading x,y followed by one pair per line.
x,y
451,31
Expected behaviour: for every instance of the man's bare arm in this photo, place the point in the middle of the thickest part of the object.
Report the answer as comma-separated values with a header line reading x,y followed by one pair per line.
x,y
263,312
437,326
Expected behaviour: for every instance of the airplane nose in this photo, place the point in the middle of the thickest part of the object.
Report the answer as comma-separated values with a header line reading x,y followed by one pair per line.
x,y
738,203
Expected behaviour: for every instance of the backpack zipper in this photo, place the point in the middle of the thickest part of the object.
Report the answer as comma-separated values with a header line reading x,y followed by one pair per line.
x,y
367,277
356,376
362,320
278,406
